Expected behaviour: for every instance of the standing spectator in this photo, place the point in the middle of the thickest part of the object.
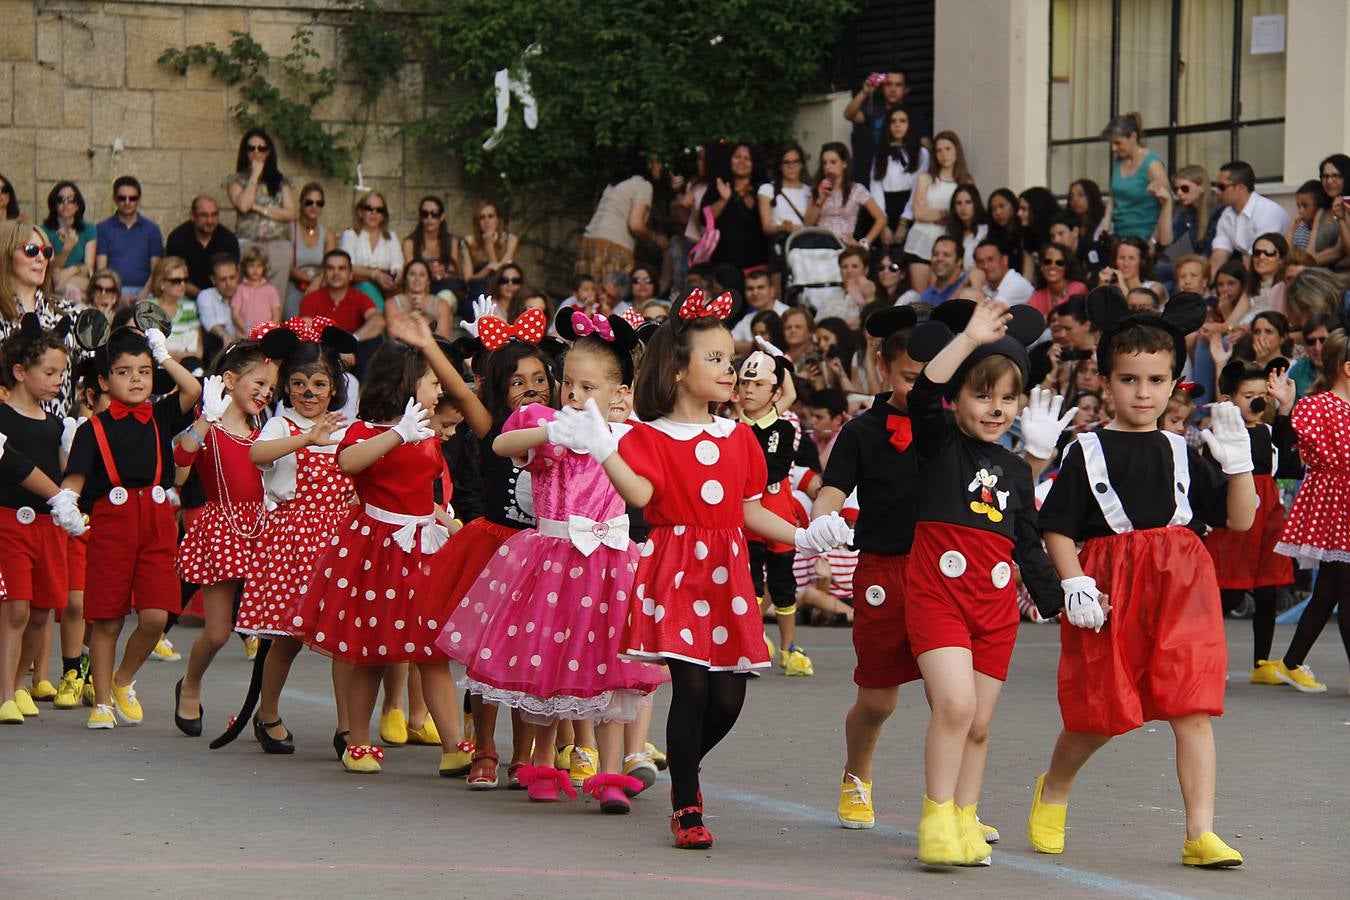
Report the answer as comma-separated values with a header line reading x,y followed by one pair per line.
x,y
933,194
74,241
967,221
1036,211
782,206
1057,278
688,199
996,279
491,247
310,241
432,243
735,209
895,172
168,289
620,221
214,307
9,201
759,297
26,287
1190,228
128,242
867,111
417,299
838,198
376,255
255,300
350,309
265,201
198,240
1140,194
1248,215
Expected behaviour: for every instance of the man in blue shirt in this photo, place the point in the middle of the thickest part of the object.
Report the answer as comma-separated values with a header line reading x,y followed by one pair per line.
x,y
948,275
128,243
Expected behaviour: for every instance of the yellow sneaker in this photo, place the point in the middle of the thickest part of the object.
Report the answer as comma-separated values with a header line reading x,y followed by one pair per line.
x,y
394,728
1264,673
584,764
363,760
101,717
989,831
427,734
940,842
795,662
10,714
658,756
978,851
855,803
69,691
458,761
1046,822
1209,851
164,651
768,644
87,694
640,766
25,703
562,757
250,646
42,691
125,704
1300,677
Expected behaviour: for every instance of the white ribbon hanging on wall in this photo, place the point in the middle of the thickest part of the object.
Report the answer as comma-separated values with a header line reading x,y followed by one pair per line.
x,y
505,84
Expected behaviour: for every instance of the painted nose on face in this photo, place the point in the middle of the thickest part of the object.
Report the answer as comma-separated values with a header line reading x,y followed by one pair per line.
x,y
997,413
310,395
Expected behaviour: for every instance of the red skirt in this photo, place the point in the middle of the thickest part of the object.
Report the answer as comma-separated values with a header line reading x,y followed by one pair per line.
x,y
297,532
213,551
1162,653
463,559
1244,560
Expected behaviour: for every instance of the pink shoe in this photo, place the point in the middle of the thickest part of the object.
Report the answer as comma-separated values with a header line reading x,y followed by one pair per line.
x,y
542,783
611,790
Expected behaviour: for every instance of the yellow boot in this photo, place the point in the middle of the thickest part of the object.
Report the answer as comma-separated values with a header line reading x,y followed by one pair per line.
x,y
940,842
978,851
1046,822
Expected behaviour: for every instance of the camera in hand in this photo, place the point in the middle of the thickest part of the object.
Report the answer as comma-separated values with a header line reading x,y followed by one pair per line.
x,y
1073,354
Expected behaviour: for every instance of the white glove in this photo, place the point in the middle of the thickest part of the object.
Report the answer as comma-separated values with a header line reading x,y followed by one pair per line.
x,y
561,430
591,433
824,533
1041,428
159,345
1082,606
66,512
766,346
415,424
1227,440
214,399
68,428
485,306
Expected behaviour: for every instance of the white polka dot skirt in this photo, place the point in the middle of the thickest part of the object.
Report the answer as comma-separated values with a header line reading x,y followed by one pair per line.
x,y
297,533
212,551
693,600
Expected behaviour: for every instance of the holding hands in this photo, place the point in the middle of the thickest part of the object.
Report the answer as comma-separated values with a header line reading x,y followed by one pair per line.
x,y
1082,603
824,533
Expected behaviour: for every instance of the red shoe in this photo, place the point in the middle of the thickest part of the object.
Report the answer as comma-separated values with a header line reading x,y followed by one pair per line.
x,y
697,837
483,773
610,789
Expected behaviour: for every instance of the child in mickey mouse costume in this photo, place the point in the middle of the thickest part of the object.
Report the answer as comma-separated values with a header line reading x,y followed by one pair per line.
x,y
699,479
1142,634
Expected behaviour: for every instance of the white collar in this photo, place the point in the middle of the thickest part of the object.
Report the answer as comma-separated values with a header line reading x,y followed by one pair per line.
x,y
687,431
298,420
1249,208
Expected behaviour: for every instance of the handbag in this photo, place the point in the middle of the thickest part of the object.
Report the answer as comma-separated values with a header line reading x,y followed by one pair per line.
x,y
707,244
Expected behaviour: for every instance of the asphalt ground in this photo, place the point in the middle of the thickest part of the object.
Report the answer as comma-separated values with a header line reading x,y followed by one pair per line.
x,y
146,811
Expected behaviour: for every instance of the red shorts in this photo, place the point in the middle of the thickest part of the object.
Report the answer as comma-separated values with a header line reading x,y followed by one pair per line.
x,y
961,594
131,547
1244,560
34,559
885,659
76,553
1162,653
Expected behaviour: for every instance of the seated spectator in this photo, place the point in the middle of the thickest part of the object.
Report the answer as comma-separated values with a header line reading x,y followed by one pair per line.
x,y
214,306
826,412
1085,201
1233,301
1036,211
1141,198
1265,276
1308,367
1192,274
488,250
620,220
948,276
996,279
799,330
768,325
417,299
105,292
526,299
198,240
9,201
583,293
432,242
1190,228
509,281
1131,267
377,256
255,300
1002,209
1307,229
614,287
74,241
654,310
1266,340
759,297
857,290
732,201
128,242
967,221
1334,173
891,277
838,199
310,240
265,201
1057,278
1248,215
1072,340
1142,300
642,280
350,309
831,365
1065,232
1315,292
933,193
168,288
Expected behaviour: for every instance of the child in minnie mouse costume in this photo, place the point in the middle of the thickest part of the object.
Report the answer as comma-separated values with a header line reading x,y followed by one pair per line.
x,y
1156,650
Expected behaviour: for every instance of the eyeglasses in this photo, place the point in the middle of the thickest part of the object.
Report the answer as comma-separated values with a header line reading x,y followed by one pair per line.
x,y
1221,186
128,198
257,148
1327,176
1314,341
1271,252
6,189
894,268
487,215
179,279
103,289
642,281
366,207
430,213
311,202
1057,263
512,280
792,162
32,250
67,200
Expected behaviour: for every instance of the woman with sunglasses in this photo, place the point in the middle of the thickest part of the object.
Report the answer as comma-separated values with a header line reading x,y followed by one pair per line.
x,y
432,243
642,281
73,240
168,289
890,277
1265,278
508,283
377,256
491,247
9,201
265,202
105,292
1190,227
26,287
1058,278
310,242
1308,368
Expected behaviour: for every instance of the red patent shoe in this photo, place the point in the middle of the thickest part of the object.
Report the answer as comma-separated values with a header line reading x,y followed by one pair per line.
x,y
696,837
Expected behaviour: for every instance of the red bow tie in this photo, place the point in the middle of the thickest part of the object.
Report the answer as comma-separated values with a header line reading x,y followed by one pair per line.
x,y
901,430
495,333
142,412
697,305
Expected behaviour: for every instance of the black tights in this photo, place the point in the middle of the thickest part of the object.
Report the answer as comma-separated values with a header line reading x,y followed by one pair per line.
x,y
1263,618
1333,586
703,708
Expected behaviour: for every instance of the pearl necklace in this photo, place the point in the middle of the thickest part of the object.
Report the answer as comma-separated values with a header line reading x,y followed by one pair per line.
x,y
226,504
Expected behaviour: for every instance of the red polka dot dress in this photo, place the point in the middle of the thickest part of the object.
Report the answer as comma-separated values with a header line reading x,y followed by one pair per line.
x,y
313,500
222,542
693,599
1318,529
369,600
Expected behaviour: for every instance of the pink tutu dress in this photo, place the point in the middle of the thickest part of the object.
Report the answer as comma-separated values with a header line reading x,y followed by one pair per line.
x,y
539,629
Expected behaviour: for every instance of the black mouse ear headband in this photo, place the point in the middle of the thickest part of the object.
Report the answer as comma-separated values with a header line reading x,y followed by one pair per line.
x,y
280,341
950,318
1109,314
885,322
30,327
571,324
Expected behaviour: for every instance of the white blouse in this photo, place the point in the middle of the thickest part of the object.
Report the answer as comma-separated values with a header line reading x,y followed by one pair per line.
x,y
387,256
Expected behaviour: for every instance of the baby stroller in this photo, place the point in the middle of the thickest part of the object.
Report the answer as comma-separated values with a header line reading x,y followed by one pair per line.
x,y
813,279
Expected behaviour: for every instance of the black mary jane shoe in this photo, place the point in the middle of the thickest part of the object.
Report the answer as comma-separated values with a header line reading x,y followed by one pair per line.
x,y
340,742
190,727
269,743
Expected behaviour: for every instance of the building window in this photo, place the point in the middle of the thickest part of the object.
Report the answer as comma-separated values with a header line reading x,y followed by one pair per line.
x,y
1185,66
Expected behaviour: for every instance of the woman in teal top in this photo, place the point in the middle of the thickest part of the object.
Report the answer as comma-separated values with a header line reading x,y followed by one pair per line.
x,y
1140,194
74,240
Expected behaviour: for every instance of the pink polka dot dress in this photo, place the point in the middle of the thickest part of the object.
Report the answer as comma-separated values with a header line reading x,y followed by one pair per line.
x,y
1318,528
299,529
693,599
222,542
369,600
539,630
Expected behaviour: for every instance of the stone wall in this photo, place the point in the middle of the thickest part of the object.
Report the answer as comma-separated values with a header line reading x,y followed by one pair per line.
x,y
82,97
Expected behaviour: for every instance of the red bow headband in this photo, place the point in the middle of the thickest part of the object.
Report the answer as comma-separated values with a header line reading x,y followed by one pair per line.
x,y
496,333
633,317
698,306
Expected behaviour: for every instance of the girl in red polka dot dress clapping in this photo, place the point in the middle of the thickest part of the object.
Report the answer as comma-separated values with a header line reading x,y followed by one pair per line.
x,y
699,478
